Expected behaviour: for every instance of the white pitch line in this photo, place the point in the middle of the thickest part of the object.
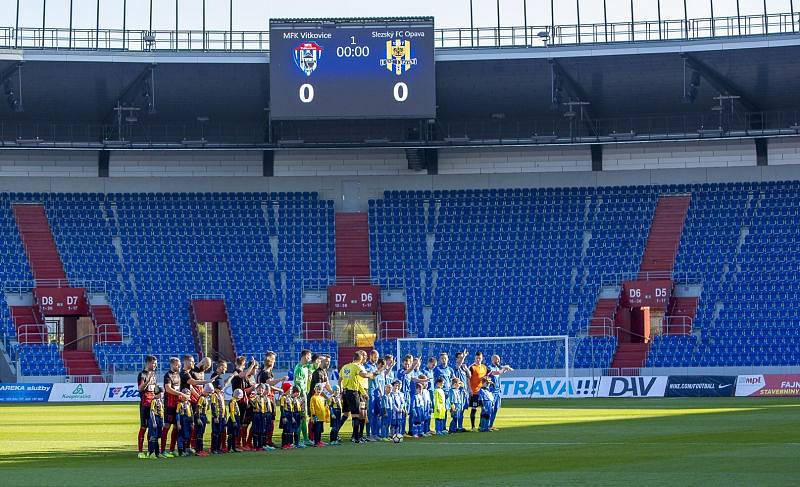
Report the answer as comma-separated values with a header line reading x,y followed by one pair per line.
x,y
601,443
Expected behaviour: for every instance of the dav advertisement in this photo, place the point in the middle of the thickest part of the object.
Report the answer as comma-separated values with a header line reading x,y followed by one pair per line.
x,y
549,387
646,386
121,393
25,392
768,385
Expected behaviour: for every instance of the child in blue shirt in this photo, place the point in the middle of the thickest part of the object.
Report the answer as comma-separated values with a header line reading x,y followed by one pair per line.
x,y
486,398
386,411
399,410
456,400
430,372
418,409
428,410
377,386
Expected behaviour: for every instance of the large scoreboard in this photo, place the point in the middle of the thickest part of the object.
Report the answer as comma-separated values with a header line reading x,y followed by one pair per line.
x,y
352,68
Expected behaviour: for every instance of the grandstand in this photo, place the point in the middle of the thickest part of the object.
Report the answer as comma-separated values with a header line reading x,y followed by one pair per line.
x,y
499,262
555,178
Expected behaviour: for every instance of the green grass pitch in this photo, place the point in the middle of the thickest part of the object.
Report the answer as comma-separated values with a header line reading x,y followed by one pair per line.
x,y
736,441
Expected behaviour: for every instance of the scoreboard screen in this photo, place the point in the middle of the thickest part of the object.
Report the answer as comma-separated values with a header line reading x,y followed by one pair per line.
x,y
364,68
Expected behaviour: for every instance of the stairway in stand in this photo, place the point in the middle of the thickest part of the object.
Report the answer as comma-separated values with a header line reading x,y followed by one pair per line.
x,y
352,260
81,365
352,247
630,356
657,262
106,324
665,236
48,271
37,238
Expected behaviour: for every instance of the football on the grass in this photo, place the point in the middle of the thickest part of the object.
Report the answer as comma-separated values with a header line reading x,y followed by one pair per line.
x,y
397,438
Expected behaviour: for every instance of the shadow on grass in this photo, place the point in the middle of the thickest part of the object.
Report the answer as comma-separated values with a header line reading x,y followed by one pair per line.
x,y
689,424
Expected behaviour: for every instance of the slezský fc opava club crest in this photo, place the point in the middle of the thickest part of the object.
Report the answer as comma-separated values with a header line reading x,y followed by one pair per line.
x,y
399,57
307,56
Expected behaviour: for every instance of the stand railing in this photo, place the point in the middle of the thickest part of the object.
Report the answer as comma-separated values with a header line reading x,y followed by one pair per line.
x,y
453,132
88,336
391,330
316,330
92,286
34,333
677,325
88,379
622,331
602,326
607,279
622,371
112,333
207,297
384,283
542,35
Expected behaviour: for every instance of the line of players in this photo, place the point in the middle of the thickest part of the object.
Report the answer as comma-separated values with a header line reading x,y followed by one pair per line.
x,y
387,403
434,391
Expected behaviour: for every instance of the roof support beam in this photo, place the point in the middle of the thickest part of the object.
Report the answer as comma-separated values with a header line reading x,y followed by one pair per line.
x,y
128,94
562,80
721,83
9,71
14,99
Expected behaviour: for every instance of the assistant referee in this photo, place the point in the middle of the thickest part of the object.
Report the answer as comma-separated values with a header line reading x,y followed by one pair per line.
x,y
354,381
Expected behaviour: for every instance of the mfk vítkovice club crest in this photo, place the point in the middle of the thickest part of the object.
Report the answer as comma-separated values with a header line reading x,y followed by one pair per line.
x,y
307,56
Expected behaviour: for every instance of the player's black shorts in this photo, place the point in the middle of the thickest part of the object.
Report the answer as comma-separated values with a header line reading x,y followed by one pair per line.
x,y
351,402
247,414
144,415
170,415
474,401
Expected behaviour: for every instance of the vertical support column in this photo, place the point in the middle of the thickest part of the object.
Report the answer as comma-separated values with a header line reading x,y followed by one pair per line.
x,y
16,27
762,159
97,26
597,157
268,164
103,158
432,161
44,20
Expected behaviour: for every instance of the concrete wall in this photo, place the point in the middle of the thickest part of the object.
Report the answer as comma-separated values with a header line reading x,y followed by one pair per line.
x,y
514,160
783,151
680,155
575,160
184,163
365,162
35,163
331,173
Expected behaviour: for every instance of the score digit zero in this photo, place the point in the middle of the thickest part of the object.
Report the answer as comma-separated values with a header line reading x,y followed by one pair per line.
x,y
306,93
400,92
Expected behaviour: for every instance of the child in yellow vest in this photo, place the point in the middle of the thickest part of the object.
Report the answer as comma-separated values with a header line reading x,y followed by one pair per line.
x,y
319,415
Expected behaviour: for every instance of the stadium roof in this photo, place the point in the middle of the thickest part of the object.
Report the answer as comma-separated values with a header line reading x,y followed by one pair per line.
x,y
629,87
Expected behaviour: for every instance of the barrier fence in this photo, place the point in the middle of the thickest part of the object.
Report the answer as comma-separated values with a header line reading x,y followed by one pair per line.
x,y
527,130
